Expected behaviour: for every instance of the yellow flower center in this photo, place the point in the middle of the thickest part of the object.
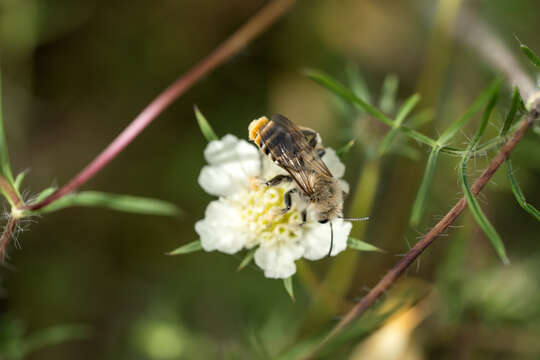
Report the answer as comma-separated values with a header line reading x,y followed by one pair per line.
x,y
261,209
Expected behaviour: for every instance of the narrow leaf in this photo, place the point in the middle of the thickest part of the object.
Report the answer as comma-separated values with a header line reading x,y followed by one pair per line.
x,y
388,93
358,83
485,117
126,203
517,103
289,287
402,113
360,245
187,248
518,193
345,149
406,108
247,259
418,136
44,194
531,55
19,179
338,89
479,216
387,141
5,168
453,129
421,196
206,129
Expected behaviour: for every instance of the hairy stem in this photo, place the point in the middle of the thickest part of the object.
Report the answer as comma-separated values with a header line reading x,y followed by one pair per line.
x,y
386,282
254,27
7,235
10,193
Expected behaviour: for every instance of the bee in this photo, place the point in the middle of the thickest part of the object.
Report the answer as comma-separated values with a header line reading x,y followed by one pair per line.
x,y
298,151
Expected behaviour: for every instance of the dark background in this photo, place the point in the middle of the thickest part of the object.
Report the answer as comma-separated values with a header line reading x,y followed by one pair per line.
x,y
75,72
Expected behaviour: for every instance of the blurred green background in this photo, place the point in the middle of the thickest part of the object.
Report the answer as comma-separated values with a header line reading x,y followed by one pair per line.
x,y
75,72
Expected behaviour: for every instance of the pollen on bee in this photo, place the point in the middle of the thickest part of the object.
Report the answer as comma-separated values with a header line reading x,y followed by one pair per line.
x,y
254,127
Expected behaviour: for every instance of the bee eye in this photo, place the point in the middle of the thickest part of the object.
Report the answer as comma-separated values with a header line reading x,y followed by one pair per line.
x,y
323,221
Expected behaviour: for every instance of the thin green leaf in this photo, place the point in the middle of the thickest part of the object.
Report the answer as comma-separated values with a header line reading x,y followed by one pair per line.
x,y
345,149
358,83
402,113
387,141
406,108
518,193
485,117
126,203
418,136
206,129
288,283
517,103
44,194
453,129
19,179
421,196
338,89
247,259
5,168
388,94
360,245
531,55
187,248
479,216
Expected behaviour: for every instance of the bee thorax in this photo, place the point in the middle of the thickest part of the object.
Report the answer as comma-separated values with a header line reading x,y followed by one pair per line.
x,y
327,200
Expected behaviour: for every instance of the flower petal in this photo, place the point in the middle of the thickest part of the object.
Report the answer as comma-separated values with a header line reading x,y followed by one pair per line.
x,y
333,163
278,261
231,163
221,228
317,239
344,186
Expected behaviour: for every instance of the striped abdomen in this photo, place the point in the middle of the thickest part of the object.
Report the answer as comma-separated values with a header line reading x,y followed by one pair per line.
x,y
266,135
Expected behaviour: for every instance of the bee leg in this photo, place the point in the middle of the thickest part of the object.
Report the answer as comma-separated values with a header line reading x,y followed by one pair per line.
x,y
287,198
321,152
276,180
304,217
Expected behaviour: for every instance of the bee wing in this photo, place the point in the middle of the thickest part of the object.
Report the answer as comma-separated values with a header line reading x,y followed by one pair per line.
x,y
295,154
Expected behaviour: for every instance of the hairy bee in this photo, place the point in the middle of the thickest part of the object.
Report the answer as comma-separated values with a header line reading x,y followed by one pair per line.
x,y
298,151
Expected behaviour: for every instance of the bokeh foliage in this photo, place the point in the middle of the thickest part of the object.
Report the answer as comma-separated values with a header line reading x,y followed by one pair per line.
x,y
75,72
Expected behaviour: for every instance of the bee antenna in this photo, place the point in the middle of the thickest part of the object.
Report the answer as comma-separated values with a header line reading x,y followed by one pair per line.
x,y
356,219
331,238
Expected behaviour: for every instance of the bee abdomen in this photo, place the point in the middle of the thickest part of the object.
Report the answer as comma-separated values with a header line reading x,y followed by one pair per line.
x,y
266,135
255,128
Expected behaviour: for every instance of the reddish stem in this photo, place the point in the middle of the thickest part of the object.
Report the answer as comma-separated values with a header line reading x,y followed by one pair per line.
x,y
7,235
391,276
255,26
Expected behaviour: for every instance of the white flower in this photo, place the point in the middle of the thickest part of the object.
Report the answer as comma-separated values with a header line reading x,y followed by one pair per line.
x,y
248,213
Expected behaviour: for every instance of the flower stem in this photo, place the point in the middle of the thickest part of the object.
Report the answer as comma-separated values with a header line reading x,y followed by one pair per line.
x,y
386,282
7,235
10,193
254,27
